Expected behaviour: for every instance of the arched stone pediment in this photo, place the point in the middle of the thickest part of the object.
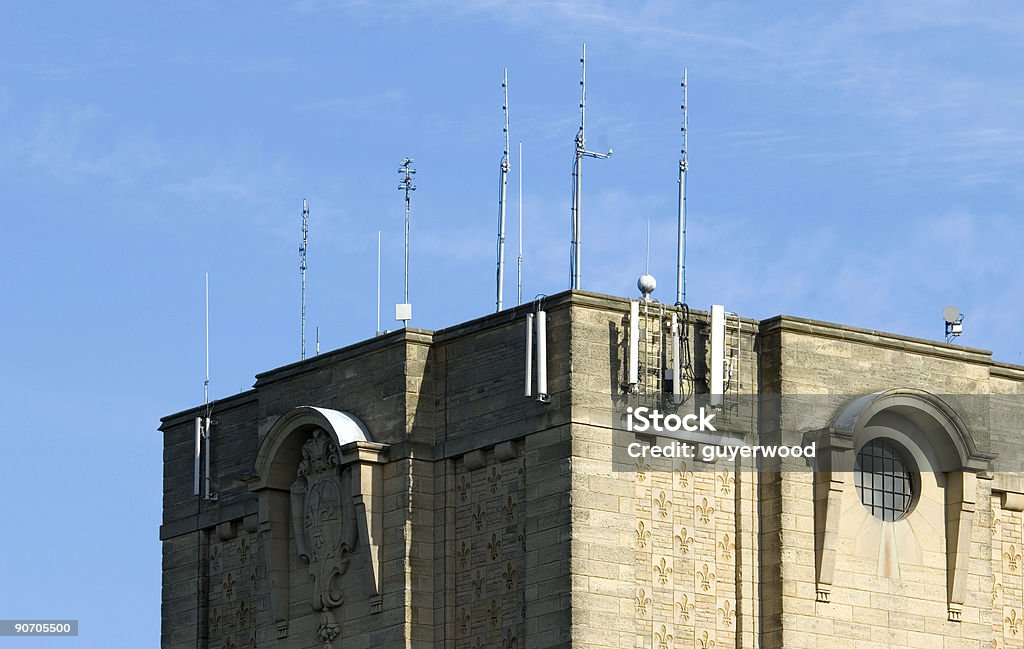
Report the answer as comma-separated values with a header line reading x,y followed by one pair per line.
x,y
936,423
281,448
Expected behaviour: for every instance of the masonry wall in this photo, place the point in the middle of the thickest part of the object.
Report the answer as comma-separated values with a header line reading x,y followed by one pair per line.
x,y
663,550
890,583
474,551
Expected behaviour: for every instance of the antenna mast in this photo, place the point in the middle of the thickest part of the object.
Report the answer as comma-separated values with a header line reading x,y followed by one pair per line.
x,y
407,173
206,335
378,282
519,261
502,193
577,175
681,227
302,273
203,426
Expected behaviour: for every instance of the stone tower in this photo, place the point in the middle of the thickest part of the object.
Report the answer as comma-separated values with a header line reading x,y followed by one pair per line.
x,y
402,492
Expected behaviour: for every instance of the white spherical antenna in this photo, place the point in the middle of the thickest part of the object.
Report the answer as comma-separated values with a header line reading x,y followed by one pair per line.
x,y
646,284
951,314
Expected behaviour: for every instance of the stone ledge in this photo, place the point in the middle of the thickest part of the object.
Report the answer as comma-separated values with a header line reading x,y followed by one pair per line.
x,y
876,338
208,519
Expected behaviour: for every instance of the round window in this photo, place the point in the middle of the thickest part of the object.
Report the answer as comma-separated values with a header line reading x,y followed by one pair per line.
x,y
884,481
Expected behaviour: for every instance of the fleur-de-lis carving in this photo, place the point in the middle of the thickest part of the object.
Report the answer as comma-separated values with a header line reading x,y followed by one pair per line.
x,y
682,477
1013,621
494,547
642,601
510,510
215,558
643,535
493,611
510,577
462,488
253,580
478,584
728,613
996,589
511,640
229,586
243,613
706,578
705,510
229,642
522,540
996,524
464,619
478,518
215,620
642,467
478,643
664,637
705,641
1013,558
726,547
684,539
663,503
494,479
243,550
464,555
664,571
684,607
727,481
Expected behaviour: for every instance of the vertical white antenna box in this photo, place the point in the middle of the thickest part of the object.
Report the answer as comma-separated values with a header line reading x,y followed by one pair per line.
x,y
716,381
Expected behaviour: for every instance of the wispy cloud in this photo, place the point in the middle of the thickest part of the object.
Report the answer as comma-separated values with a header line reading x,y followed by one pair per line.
x,y
66,142
874,62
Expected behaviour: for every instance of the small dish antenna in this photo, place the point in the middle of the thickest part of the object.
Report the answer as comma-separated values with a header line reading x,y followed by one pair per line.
x,y
954,322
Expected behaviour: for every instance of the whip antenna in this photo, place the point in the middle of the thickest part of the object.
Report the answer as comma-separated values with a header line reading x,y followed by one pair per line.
x,y
302,274
502,194
577,175
681,226
519,261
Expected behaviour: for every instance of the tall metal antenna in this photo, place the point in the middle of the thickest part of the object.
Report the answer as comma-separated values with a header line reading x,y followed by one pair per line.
x,y
202,424
519,261
206,334
681,226
577,175
407,172
206,420
502,192
318,340
302,273
378,282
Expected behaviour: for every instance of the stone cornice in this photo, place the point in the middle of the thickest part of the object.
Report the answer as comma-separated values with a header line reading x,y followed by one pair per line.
x,y
847,333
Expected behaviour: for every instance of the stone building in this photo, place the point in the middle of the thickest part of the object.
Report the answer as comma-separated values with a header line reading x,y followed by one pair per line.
x,y
404,492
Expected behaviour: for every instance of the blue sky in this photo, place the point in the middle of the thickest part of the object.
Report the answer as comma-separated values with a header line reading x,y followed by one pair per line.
x,y
853,163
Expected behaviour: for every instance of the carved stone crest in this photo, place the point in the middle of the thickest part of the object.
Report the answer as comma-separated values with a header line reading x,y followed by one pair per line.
x,y
323,524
